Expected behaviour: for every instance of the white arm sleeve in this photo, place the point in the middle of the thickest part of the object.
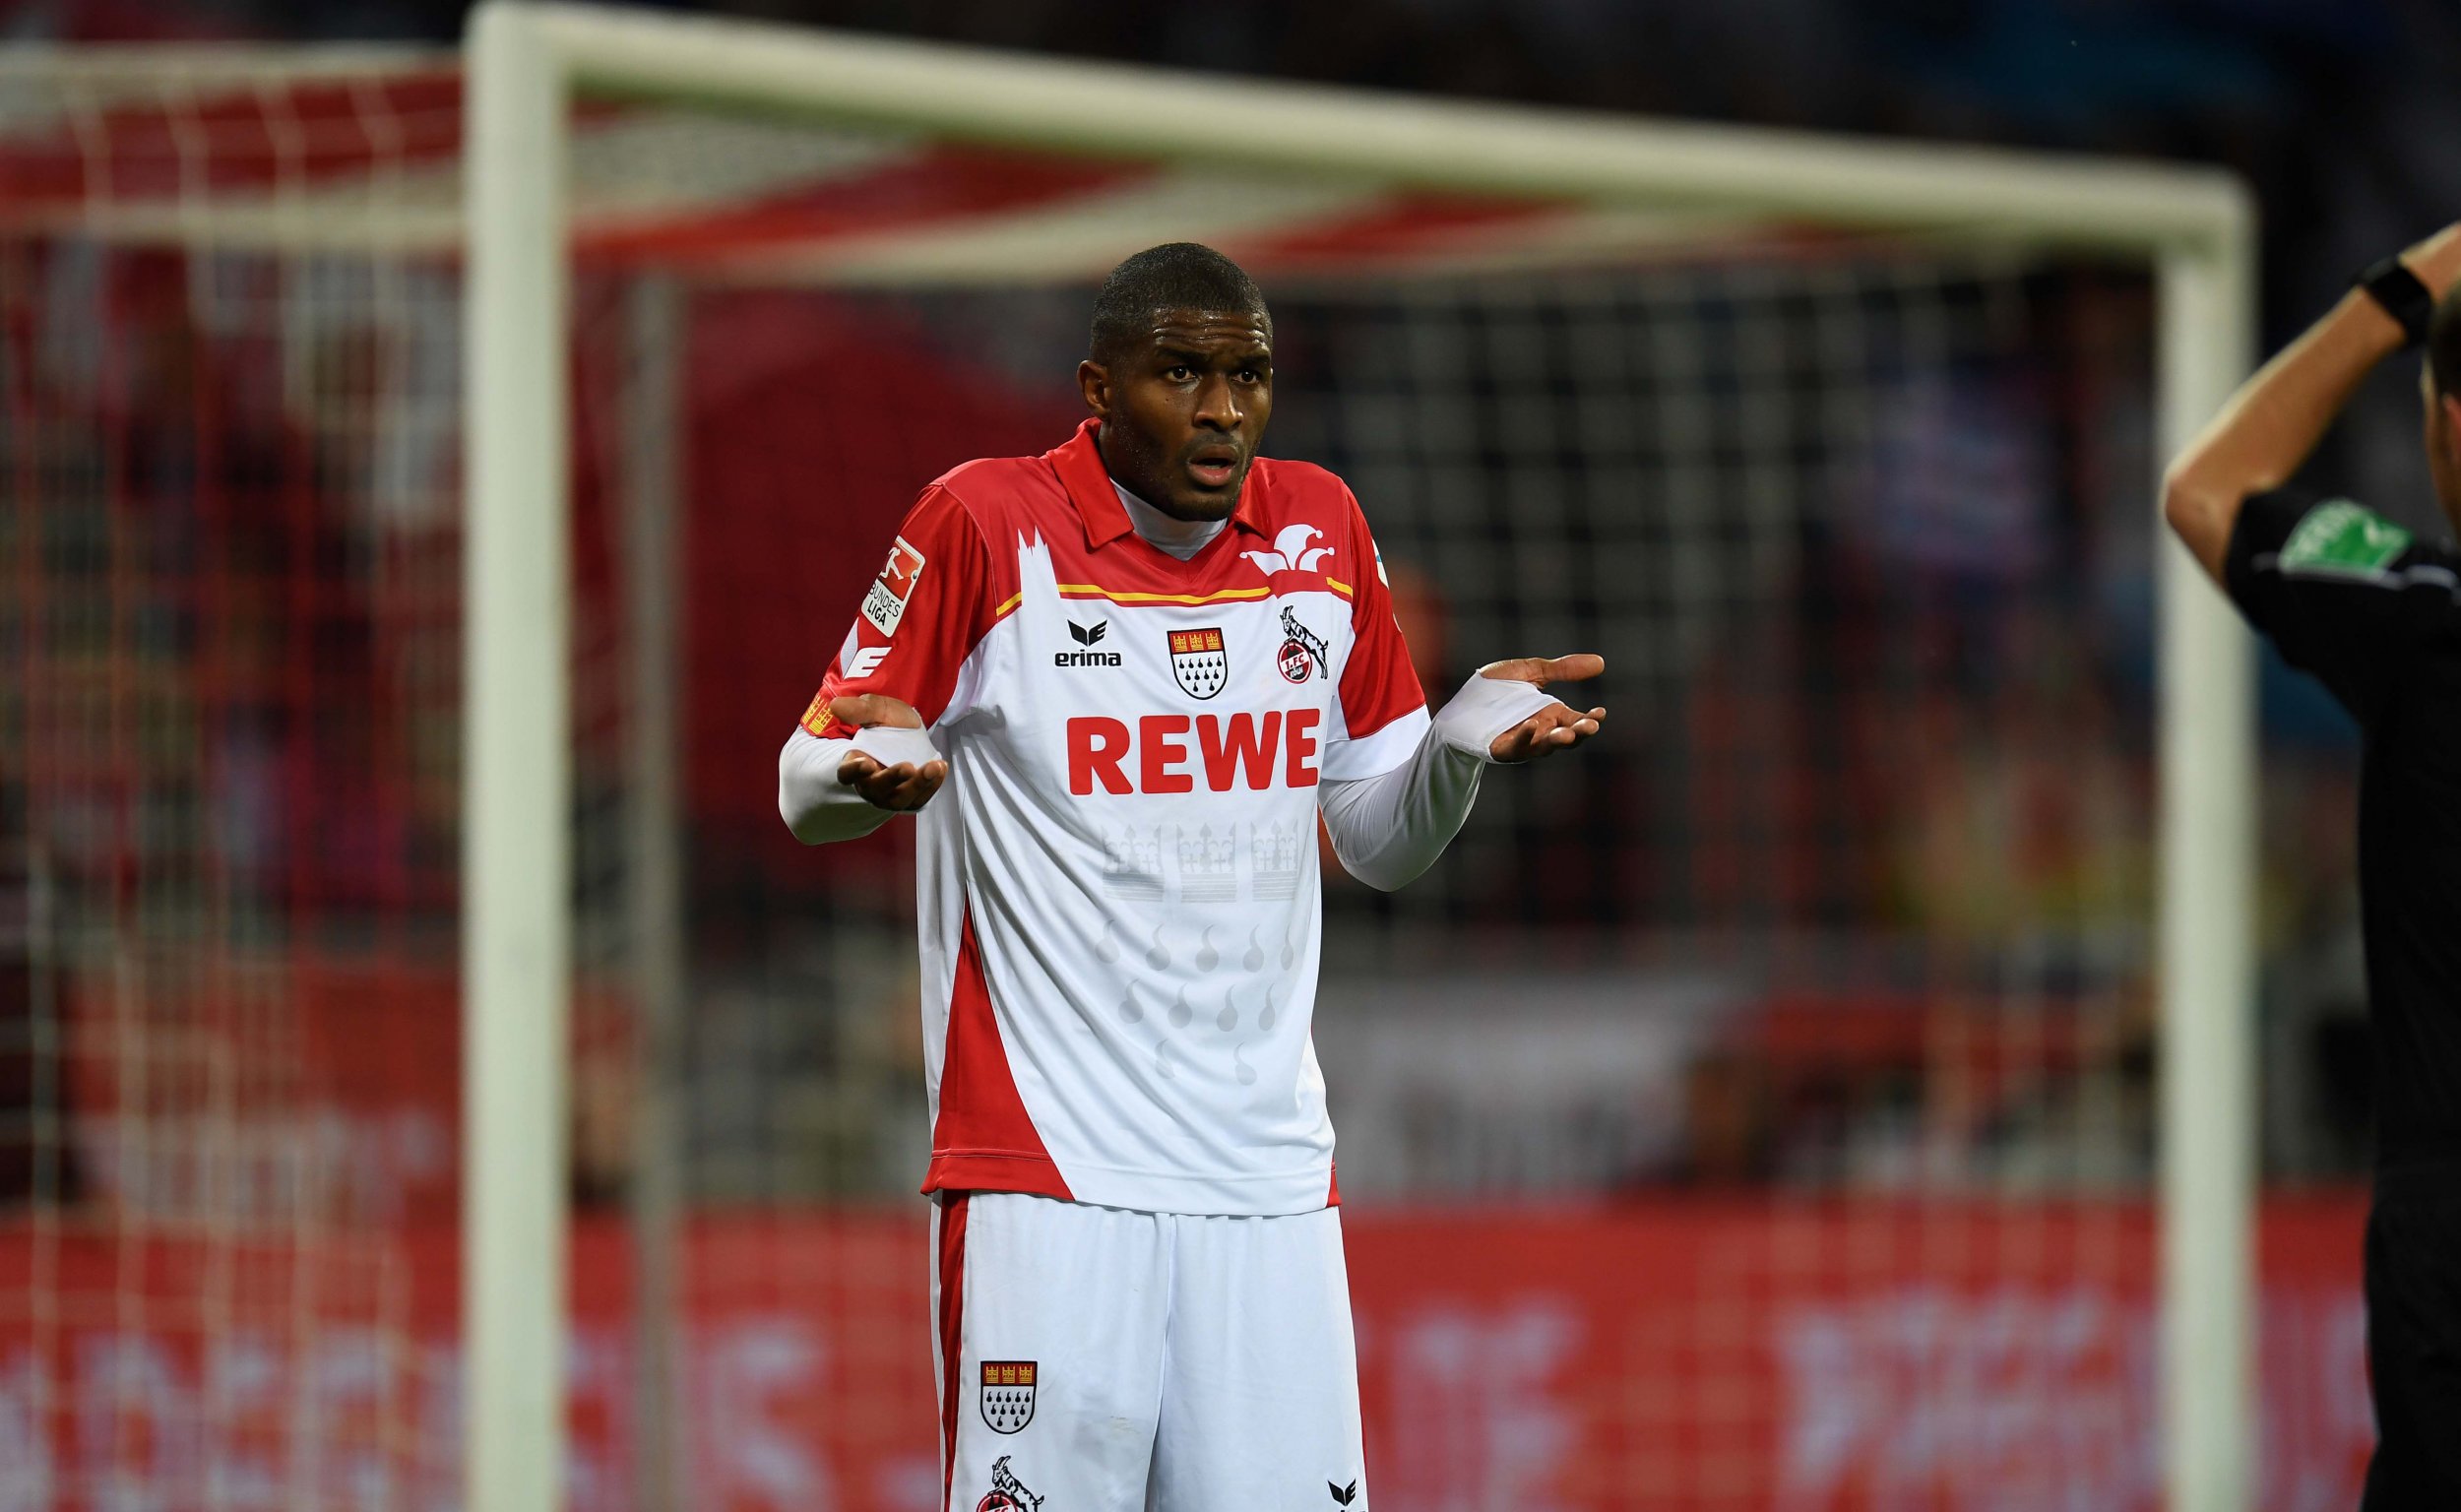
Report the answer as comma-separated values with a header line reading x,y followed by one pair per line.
x,y
815,806
1389,828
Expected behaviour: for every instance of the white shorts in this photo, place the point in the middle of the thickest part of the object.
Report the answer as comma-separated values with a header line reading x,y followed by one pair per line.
x,y
1097,1360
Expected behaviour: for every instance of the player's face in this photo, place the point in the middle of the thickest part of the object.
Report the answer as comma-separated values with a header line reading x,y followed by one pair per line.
x,y
1184,410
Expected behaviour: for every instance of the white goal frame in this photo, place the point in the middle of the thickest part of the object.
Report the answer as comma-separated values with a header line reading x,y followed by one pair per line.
x,y
524,62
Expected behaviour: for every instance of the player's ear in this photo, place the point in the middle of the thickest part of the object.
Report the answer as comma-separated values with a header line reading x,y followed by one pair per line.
x,y
1094,382
2443,429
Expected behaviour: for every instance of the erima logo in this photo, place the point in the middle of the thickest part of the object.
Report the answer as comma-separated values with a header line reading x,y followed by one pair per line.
x,y
1342,1494
1087,636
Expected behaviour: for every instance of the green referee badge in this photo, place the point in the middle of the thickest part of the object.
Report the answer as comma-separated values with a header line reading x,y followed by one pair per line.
x,y
2339,537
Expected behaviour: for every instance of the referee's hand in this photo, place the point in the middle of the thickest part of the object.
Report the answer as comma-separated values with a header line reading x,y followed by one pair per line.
x,y
900,788
2436,260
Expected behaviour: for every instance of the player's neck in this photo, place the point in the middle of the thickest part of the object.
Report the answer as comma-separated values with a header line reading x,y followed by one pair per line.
x,y
1179,537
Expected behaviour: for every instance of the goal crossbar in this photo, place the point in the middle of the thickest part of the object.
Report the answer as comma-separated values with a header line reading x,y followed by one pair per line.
x,y
2195,227
1118,110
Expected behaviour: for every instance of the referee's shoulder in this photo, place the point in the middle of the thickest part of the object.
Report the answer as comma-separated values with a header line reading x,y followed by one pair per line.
x,y
2334,540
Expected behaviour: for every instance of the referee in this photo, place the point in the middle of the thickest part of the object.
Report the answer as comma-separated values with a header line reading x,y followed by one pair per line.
x,y
2375,615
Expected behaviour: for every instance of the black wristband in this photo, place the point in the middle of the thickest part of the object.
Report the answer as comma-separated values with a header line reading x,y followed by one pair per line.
x,y
2400,294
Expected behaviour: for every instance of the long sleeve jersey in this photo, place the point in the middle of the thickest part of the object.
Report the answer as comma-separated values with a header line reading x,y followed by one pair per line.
x,y
1118,894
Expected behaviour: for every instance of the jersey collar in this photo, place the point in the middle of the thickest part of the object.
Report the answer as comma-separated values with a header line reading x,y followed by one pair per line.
x,y
1079,466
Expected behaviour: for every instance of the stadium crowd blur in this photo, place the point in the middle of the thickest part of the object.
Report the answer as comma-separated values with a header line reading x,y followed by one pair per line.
x,y
1948,824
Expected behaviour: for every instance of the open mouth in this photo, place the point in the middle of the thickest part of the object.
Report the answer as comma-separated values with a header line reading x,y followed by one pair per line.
x,y
1214,467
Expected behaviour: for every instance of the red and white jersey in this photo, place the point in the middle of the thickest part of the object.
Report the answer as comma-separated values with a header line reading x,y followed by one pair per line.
x,y
1118,885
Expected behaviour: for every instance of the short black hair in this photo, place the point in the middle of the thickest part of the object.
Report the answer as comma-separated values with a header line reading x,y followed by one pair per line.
x,y
2443,344
1175,275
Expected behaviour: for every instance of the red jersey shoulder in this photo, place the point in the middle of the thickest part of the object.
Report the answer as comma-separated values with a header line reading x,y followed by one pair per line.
x,y
1011,498
922,615
1313,522
938,538
1292,489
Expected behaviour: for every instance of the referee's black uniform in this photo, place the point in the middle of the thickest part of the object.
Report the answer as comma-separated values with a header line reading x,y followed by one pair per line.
x,y
2375,616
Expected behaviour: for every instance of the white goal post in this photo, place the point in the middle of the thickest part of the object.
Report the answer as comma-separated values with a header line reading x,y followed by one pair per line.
x,y
2195,227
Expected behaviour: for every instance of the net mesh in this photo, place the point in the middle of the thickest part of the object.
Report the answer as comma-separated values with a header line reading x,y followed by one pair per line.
x,y
229,810
1752,1111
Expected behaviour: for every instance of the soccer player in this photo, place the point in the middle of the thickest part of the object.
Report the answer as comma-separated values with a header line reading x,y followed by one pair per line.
x,y
2375,616
1142,666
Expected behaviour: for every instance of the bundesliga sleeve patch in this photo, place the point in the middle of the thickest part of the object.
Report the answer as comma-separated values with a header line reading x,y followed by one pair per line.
x,y
2339,539
885,606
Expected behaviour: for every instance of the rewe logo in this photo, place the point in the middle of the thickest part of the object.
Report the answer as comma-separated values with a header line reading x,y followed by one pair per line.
x,y
1171,752
1290,552
1087,636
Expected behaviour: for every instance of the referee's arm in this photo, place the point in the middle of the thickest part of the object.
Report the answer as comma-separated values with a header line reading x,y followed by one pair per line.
x,y
2269,426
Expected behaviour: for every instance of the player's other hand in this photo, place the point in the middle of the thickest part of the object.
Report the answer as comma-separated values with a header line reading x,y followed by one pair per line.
x,y
2436,260
900,788
1550,730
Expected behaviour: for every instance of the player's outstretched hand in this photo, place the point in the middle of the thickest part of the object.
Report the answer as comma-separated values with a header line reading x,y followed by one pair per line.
x,y
1550,730
900,788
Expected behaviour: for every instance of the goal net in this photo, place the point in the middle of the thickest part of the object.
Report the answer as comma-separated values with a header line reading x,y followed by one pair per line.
x,y
1764,1109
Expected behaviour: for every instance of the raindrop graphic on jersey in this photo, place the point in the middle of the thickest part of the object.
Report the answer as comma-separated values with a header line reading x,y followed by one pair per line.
x,y
1229,1019
1207,958
1106,950
1254,959
1157,958
1290,954
1162,1057
1181,1012
1247,1072
1264,1020
1129,1012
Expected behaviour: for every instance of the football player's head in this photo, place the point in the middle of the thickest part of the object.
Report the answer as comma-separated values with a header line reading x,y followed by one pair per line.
x,y
2440,380
1180,370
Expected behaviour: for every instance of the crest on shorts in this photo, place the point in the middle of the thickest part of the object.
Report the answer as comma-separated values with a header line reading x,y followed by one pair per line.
x,y
1199,663
1007,1493
1007,1394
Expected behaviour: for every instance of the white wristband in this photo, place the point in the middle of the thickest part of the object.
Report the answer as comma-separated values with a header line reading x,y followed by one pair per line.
x,y
889,745
1484,708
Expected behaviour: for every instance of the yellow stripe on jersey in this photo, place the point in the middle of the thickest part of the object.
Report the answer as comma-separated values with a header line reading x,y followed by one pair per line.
x,y
1125,595
1121,595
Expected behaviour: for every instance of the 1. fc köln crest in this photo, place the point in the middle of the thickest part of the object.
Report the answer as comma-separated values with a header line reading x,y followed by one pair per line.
x,y
1008,1493
1007,1394
1198,661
